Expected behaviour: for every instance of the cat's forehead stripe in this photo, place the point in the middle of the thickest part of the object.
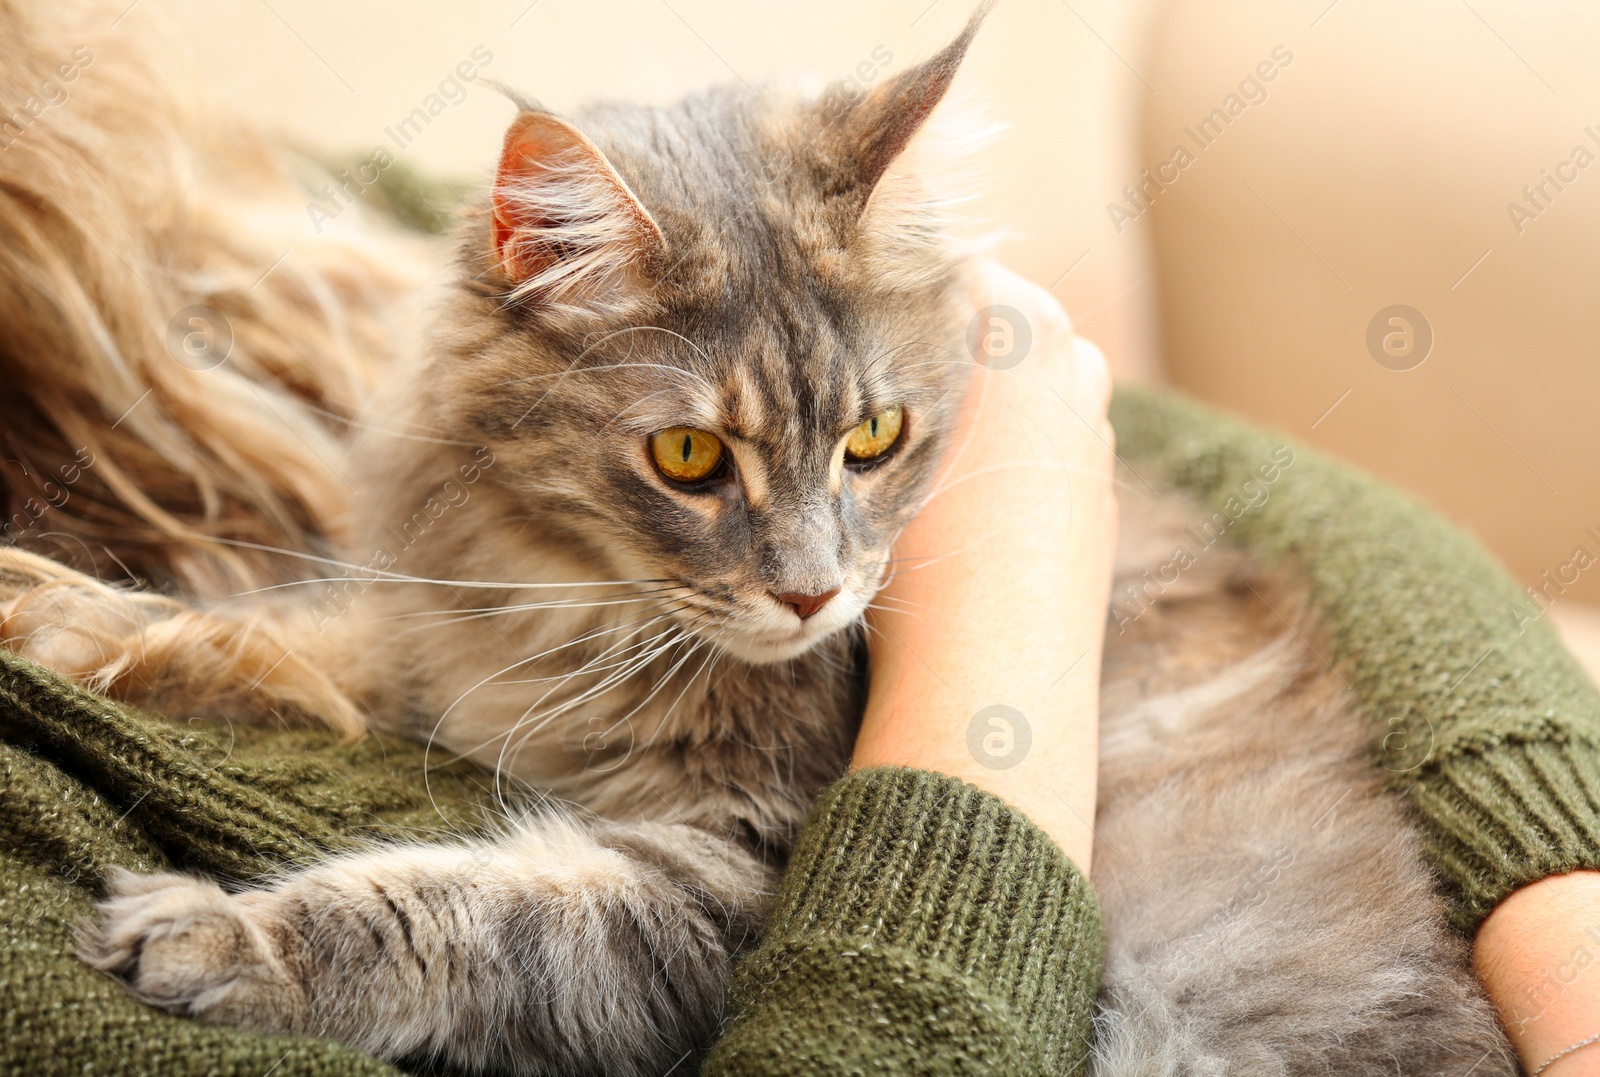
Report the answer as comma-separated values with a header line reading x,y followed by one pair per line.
x,y
745,404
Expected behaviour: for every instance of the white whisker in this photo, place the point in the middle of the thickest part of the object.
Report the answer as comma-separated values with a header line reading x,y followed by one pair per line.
x,y
462,616
596,633
373,575
673,637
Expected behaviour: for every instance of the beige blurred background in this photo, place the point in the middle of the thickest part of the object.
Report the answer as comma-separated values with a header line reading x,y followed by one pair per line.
x,y
1374,169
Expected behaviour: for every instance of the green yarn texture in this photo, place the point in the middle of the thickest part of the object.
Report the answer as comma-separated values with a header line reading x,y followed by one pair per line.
x,y
1479,714
923,927
87,785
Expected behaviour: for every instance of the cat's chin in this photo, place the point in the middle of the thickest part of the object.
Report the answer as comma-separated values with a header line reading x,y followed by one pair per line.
x,y
767,648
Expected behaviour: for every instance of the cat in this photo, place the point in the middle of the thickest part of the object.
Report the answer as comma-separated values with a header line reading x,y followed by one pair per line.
x,y
615,528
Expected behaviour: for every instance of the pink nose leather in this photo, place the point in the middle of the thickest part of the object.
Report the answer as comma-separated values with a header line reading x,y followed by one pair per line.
x,y
805,605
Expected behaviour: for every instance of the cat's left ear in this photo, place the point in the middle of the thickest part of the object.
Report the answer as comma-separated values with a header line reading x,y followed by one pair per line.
x,y
567,230
877,129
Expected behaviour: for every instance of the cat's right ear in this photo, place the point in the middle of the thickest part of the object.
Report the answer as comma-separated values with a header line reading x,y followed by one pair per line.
x,y
567,230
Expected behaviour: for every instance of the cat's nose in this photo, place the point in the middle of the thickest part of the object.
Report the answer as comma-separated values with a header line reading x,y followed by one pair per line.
x,y
804,605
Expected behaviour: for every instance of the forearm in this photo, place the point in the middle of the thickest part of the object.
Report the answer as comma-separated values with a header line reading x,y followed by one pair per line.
x,y
989,667
1022,722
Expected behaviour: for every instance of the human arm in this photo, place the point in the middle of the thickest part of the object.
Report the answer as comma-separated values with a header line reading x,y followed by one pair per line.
x,y
987,665
1538,958
930,916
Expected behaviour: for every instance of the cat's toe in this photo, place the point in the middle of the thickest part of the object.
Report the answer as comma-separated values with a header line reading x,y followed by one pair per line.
x,y
186,946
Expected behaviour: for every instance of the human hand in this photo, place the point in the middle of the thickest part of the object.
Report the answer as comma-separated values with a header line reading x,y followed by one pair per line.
x,y
1538,958
986,649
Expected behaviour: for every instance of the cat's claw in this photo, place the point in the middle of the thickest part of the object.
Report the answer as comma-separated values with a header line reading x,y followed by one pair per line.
x,y
188,947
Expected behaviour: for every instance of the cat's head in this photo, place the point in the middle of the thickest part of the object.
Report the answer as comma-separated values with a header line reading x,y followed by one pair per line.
x,y
720,344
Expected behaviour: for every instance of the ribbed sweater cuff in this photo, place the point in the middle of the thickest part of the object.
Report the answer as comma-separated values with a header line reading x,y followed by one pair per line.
x,y
923,927
1507,815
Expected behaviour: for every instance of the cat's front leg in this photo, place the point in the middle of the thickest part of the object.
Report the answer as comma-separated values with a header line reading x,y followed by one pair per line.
x,y
562,949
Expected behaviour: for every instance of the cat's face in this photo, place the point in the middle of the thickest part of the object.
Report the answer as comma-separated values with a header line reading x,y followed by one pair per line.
x,y
734,351
770,387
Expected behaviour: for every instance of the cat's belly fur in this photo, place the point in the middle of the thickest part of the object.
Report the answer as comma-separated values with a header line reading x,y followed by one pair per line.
x,y
1267,907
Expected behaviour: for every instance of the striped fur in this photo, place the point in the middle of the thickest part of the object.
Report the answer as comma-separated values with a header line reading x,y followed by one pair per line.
x,y
512,582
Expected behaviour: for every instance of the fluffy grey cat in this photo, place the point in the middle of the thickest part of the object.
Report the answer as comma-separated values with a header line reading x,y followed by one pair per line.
x,y
690,378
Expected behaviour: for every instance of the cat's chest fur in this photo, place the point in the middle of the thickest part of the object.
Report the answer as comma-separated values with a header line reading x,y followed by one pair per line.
x,y
599,696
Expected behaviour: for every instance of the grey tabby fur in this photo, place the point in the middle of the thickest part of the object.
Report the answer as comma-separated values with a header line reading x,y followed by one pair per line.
x,y
770,267
1267,906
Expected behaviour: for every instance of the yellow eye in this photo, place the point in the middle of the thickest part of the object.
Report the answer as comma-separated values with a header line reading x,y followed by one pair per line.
x,y
685,454
874,437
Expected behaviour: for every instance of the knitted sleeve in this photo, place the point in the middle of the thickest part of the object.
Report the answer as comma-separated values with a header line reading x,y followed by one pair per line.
x,y
923,927
1479,716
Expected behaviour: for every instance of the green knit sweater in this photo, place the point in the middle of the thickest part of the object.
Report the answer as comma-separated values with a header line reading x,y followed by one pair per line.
x,y
923,927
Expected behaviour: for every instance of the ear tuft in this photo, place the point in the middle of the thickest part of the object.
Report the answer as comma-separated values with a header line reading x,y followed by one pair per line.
x,y
916,221
898,159
567,230
880,127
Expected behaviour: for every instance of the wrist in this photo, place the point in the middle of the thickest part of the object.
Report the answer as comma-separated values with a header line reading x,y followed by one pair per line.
x,y
1538,959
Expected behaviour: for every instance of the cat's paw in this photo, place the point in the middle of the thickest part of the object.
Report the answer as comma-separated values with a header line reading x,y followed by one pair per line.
x,y
186,946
